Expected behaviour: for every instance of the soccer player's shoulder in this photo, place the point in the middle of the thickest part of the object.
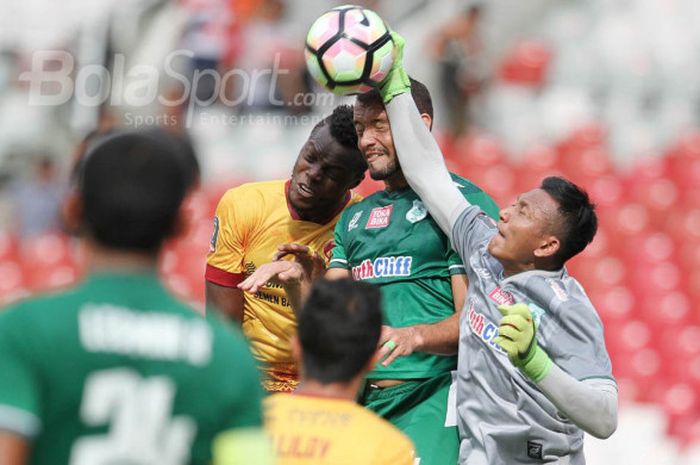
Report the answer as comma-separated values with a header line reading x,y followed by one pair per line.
x,y
465,185
392,445
254,192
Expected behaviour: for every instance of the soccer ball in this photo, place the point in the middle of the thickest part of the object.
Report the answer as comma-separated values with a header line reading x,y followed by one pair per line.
x,y
349,50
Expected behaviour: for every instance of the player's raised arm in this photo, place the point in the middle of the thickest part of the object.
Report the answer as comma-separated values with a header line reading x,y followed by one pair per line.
x,y
420,157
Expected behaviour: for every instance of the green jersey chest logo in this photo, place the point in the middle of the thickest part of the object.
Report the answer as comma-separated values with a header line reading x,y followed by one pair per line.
x,y
379,217
417,212
354,220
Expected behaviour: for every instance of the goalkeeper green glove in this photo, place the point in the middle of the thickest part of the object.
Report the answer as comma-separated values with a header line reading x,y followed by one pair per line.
x,y
397,81
516,335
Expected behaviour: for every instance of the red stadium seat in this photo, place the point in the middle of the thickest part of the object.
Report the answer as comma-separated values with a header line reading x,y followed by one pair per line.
x,y
526,64
12,281
589,136
46,250
475,150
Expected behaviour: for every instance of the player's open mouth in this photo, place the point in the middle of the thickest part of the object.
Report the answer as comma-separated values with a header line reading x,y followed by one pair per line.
x,y
305,191
373,156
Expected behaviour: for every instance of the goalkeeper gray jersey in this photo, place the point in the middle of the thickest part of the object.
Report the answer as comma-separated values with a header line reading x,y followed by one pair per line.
x,y
503,417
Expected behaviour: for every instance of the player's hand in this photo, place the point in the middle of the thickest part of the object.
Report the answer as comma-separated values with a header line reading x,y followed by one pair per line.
x,y
396,342
313,263
516,335
286,273
397,81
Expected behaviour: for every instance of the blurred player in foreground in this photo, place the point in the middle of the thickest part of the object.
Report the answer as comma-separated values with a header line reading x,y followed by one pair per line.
x,y
253,219
534,373
117,370
389,239
320,423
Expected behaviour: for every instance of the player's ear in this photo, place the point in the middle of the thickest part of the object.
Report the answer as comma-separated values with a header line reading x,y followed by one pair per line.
x,y
548,247
72,211
427,120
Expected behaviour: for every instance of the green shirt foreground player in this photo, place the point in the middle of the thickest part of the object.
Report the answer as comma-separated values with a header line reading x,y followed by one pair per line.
x,y
390,240
534,373
117,370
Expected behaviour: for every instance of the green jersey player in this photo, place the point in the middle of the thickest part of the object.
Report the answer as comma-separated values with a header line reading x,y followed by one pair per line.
x,y
117,370
390,240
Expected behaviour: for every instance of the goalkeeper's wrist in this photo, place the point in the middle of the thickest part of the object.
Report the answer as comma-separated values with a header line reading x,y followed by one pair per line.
x,y
397,83
536,364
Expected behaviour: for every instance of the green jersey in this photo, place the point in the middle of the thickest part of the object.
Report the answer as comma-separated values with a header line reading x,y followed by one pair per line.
x,y
118,371
389,239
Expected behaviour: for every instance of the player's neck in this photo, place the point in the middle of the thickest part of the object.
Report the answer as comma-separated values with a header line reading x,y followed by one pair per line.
x,y
396,182
340,390
100,258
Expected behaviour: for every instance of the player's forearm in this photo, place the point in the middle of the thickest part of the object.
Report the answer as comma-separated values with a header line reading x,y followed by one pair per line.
x,y
440,338
422,163
297,293
590,404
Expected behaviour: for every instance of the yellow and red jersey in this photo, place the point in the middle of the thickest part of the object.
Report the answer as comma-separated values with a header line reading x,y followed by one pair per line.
x,y
309,430
251,221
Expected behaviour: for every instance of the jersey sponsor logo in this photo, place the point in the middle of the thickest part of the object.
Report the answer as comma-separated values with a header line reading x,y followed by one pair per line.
x,y
483,328
379,217
501,297
558,289
214,235
417,212
383,267
354,221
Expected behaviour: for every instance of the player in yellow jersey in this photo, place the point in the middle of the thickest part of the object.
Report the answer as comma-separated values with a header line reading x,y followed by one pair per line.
x,y
253,219
320,423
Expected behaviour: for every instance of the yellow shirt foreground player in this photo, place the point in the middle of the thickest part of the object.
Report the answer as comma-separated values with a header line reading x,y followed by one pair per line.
x,y
320,424
253,219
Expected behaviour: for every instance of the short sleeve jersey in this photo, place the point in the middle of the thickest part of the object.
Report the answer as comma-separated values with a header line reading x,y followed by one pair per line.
x,y
118,371
324,431
390,239
251,221
505,416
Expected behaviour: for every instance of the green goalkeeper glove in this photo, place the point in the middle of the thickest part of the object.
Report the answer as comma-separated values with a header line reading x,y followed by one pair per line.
x,y
397,81
516,335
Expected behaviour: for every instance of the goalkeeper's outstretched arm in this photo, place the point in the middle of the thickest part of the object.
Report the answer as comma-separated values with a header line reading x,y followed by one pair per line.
x,y
422,163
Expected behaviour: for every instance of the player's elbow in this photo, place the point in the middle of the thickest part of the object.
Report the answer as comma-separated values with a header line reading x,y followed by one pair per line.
x,y
605,427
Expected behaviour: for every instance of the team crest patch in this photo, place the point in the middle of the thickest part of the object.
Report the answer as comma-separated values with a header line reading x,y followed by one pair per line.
x,y
215,235
354,220
417,212
379,217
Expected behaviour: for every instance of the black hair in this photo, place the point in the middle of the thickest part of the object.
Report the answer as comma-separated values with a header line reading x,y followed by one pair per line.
x,y
419,92
342,129
183,147
579,222
339,328
131,185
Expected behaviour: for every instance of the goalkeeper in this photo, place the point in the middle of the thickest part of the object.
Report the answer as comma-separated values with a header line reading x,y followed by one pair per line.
x,y
533,371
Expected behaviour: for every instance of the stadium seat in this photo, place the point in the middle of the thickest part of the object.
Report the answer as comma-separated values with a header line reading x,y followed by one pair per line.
x,y
12,281
526,64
